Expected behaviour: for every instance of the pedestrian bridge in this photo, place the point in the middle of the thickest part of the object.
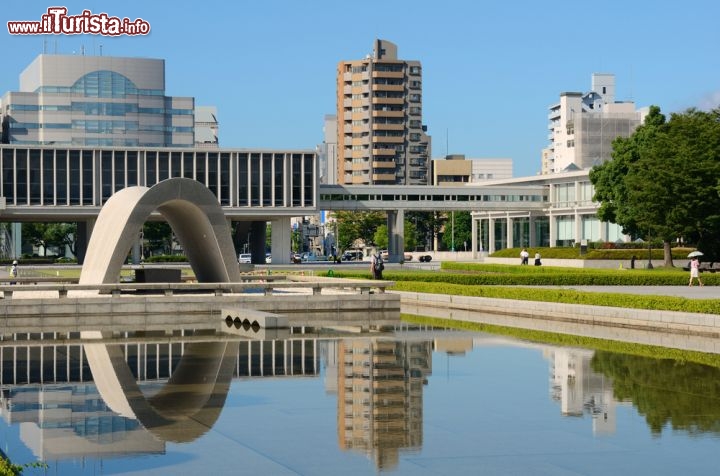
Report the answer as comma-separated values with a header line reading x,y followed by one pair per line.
x,y
252,187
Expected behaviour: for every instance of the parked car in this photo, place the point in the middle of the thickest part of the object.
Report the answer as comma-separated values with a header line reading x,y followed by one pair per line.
x,y
268,258
352,255
244,258
308,256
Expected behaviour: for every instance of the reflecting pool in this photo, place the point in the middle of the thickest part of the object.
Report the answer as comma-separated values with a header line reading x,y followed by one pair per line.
x,y
401,400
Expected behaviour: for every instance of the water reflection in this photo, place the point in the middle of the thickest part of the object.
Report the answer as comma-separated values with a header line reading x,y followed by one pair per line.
x,y
380,388
174,386
683,396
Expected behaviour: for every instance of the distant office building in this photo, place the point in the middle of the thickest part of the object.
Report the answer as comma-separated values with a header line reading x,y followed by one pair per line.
x,y
100,101
456,169
381,138
583,125
327,151
206,127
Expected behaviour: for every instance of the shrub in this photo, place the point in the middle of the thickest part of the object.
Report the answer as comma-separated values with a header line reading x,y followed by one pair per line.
x,y
166,259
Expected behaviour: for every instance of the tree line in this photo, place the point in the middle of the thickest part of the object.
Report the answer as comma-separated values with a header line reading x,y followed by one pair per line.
x,y
663,181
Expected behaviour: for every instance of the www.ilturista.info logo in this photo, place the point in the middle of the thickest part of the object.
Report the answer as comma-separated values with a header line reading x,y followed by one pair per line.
x,y
57,22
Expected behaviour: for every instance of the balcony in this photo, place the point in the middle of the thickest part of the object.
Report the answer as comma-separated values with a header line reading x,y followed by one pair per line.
x,y
388,127
388,87
383,164
381,177
388,100
388,74
359,180
383,151
389,139
377,113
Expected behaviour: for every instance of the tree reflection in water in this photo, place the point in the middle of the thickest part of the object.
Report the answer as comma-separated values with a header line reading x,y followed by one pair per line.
x,y
684,395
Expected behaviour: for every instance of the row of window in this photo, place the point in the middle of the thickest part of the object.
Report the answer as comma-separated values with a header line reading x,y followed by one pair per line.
x,y
100,127
90,177
430,197
100,109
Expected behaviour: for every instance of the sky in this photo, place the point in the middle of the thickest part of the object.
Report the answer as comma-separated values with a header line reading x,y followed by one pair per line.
x,y
490,69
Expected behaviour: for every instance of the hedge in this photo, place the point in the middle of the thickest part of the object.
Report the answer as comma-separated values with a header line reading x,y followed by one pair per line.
x,y
545,277
594,254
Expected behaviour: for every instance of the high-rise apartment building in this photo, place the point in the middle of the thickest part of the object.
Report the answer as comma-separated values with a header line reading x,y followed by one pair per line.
x,y
83,100
381,137
582,126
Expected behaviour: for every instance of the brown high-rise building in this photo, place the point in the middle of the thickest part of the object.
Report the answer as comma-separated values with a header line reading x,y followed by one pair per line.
x,y
381,138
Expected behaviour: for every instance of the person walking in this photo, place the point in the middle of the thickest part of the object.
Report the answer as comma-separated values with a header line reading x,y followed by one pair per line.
x,y
695,271
537,259
376,265
524,256
14,271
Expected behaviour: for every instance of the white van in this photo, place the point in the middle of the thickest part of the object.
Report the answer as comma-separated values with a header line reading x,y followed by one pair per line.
x,y
244,258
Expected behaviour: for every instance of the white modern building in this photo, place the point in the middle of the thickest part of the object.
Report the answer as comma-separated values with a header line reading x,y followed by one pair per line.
x,y
97,101
327,151
582,126
568,216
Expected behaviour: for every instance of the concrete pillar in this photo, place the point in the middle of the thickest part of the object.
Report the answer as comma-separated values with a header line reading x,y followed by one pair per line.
x,y
531,231
603,231
281,240
491,235
509,227
396,236
258,234
473,234
136,257
553,229
578,227
16,233
84,231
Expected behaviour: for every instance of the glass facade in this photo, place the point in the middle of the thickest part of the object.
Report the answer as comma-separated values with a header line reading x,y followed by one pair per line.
x,y
84,176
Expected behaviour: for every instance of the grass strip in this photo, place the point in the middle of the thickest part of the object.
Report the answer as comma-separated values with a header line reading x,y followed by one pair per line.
x,y
568,340
567,296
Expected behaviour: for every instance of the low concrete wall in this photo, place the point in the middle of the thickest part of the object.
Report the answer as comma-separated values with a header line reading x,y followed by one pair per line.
x,y
74,314
669,322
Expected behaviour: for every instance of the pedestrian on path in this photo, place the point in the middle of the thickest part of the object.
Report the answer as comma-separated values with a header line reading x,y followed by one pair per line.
x,y
14,271
695,271
524,256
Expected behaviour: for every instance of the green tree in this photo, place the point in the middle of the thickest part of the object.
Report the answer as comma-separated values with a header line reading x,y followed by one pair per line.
x,y
353,226
427,226
458,230
661,183
158,236
381,236
51,235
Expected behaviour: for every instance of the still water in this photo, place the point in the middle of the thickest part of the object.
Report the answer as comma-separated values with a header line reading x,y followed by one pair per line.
x,y
404,401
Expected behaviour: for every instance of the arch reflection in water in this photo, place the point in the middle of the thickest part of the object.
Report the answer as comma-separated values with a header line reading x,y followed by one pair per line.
x,y
186,406
378,382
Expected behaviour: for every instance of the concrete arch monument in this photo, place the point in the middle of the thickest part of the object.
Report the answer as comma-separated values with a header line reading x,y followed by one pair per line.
x,y
193,213
200,225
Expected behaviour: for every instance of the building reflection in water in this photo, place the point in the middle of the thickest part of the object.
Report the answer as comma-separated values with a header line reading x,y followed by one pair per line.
x,y
580,390
378,379
379,395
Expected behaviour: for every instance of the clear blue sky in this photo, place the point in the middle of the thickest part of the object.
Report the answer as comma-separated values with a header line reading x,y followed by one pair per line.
x,y
490,69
